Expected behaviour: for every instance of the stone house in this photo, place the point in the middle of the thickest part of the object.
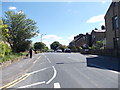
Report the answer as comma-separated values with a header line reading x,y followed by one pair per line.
x,y
98,35
112,22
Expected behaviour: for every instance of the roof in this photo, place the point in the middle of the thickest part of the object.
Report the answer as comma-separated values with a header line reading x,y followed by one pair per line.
x,y
98,30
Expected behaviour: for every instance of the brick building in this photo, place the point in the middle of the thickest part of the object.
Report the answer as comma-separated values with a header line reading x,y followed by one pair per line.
x,y
112,22
97,35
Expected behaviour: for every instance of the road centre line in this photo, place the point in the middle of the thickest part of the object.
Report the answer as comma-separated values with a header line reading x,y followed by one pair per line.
x,y
37,59
55,73
47,59
57,85
34,84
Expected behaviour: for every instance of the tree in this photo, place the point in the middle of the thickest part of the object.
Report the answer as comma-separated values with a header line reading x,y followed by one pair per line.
x,y
19,30
54,45
96,29
99,44
103,27
62,47
73,48
39,46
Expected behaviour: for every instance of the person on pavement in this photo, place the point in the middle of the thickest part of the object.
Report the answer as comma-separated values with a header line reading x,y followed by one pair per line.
x,y
30,52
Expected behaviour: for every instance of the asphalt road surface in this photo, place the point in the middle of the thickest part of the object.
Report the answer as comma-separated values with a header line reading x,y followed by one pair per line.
x,y
62,70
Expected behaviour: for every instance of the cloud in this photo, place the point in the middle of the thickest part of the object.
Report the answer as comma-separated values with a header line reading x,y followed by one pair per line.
x,y
48,39
103,1
70,38
95,19
52,37
12,8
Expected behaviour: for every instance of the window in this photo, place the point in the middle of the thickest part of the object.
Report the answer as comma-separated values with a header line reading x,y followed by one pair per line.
x,y
116,21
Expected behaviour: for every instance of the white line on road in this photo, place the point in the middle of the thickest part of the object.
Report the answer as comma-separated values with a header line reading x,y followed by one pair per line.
x,y
39,57
57,85
38,83
55,73
38,70
47,59
36,60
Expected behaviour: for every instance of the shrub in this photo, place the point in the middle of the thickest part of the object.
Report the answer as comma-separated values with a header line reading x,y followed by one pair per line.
x,y
4,49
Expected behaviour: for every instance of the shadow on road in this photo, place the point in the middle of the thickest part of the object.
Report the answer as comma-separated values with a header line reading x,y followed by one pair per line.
x,y
104,62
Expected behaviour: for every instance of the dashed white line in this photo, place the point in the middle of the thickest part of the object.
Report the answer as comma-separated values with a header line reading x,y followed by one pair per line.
x,y
48,60
34,84
55,73
57,85
36,60
39,57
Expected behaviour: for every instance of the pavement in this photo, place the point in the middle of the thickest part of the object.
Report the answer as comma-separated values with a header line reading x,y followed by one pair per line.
x,y
62,70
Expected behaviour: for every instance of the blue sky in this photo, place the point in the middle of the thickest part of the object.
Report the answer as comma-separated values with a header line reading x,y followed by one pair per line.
x,y
60,21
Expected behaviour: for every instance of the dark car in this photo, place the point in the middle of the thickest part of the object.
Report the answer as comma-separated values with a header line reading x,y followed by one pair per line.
x,y
67,50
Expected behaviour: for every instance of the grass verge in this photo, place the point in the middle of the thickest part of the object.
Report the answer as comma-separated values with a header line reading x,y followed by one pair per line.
x,y
12,56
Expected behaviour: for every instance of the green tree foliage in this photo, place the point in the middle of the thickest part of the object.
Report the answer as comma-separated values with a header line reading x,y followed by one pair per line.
x,y
62,47
99,44
55,45
39,46
5,49
19,30
73,48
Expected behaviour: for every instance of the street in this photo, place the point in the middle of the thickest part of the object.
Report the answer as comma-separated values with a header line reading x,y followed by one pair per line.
x,y
62,70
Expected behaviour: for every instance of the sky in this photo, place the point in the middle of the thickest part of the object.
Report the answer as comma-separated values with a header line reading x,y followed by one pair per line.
x,y
61,21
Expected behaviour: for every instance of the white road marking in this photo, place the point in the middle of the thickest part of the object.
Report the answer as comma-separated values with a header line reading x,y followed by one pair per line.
x,y
57,85
39,57
34,84
38,70
47,59
55,73
104,68
36,60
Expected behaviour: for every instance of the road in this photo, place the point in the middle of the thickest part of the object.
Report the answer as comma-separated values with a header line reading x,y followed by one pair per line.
x,y
62,70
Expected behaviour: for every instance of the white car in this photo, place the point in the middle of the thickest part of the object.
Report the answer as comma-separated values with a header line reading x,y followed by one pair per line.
x,y
59,50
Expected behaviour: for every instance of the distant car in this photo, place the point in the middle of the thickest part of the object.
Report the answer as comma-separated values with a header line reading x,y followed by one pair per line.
x,y
67,50
59,50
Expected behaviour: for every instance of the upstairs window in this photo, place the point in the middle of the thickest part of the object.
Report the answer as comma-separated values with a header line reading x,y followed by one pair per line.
x,y
116,22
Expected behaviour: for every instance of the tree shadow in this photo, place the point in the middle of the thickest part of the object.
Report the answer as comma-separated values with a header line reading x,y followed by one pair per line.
x,y
104,62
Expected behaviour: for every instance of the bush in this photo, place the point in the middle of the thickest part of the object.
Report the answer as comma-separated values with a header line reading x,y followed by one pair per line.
x,y
99,44
73,49
4,49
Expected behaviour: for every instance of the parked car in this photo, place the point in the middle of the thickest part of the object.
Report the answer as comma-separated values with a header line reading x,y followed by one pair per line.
x,y
59,50
67,50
